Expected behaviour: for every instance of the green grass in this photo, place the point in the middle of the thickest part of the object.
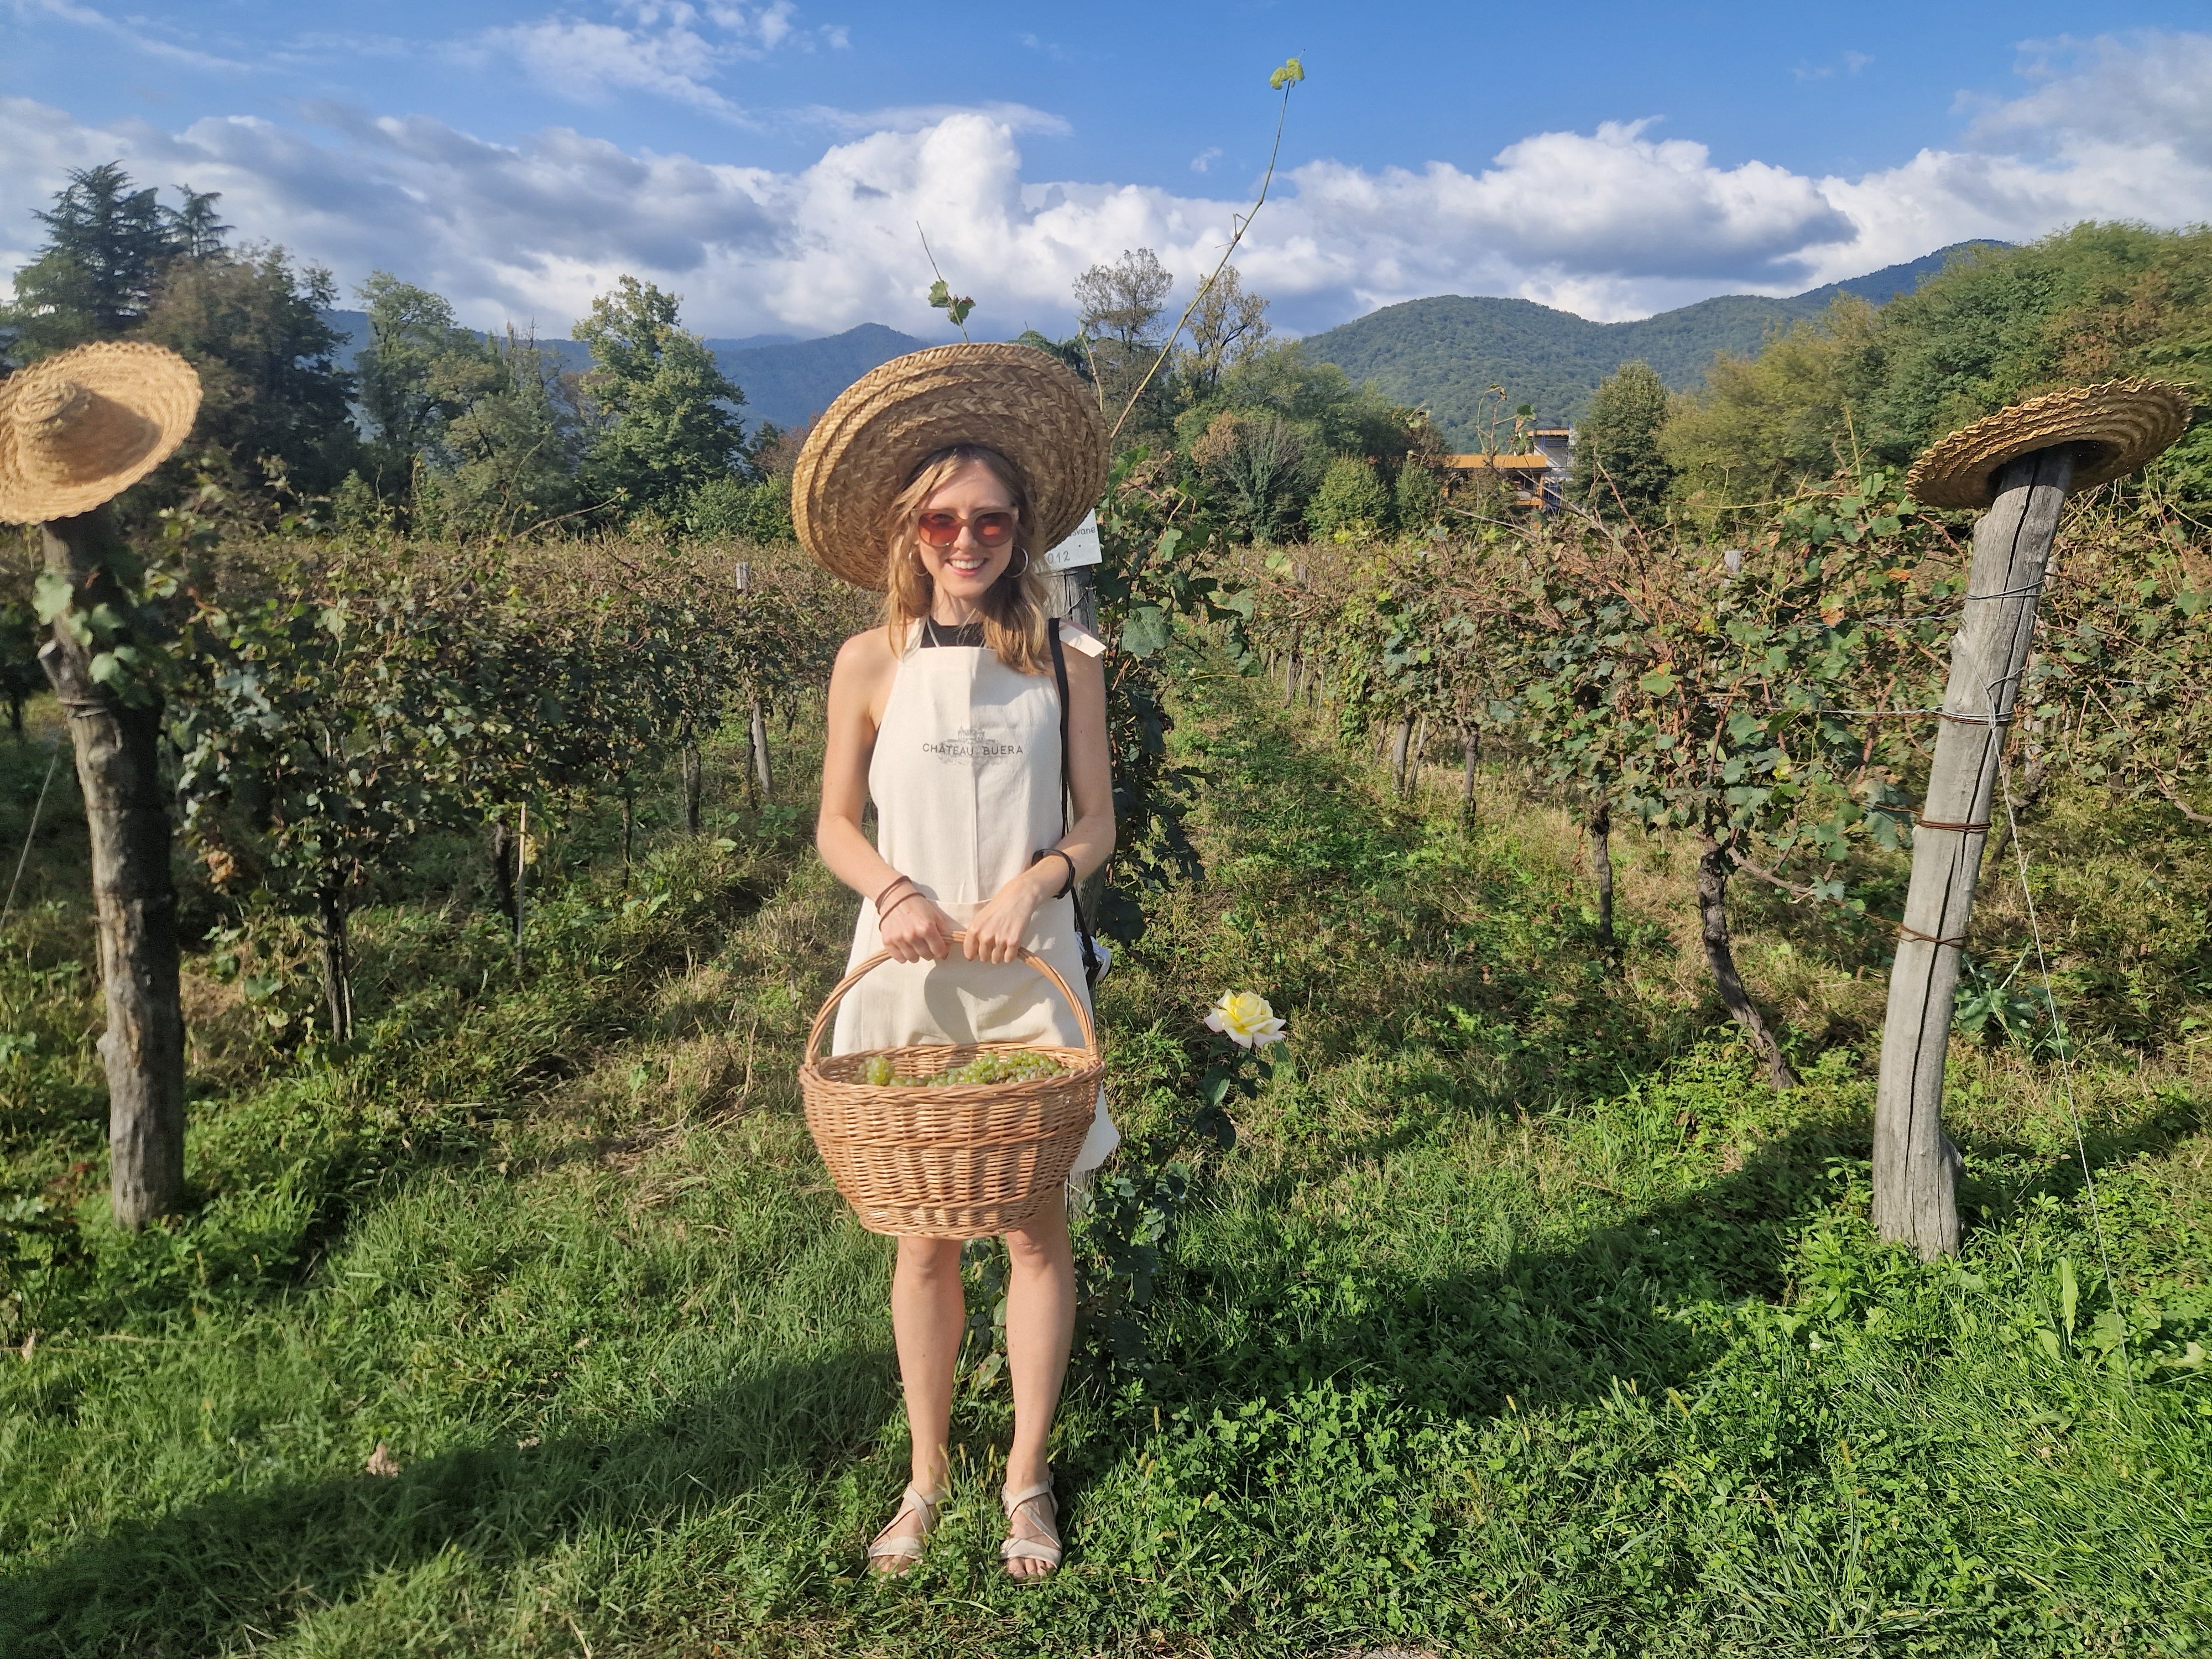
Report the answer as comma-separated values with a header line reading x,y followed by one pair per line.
x,y
1522,1319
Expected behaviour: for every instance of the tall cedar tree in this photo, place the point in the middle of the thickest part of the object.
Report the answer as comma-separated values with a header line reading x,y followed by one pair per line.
x,y
1619,465
668,416
108,245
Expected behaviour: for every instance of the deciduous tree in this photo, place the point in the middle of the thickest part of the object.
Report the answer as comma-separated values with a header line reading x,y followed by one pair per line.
x,y
1619,467
668,414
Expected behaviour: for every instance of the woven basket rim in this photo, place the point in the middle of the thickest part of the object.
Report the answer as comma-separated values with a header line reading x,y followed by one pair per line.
x,y
954,1093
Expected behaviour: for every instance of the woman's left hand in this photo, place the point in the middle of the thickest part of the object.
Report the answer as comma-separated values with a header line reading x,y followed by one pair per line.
x,y
1000,929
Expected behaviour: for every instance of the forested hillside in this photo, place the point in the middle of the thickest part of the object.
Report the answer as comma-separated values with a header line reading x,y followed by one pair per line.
x,y
1443,354
1856,383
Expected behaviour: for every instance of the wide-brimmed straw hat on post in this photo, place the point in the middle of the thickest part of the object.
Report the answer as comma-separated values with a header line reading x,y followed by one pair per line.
x,y
2121,424
83,426
1012,399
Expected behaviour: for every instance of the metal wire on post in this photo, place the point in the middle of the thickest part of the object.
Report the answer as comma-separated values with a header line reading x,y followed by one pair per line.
x,y
2066,1078
53,758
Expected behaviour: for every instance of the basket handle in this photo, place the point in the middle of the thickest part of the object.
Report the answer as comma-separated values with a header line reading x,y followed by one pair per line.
x,y
837,995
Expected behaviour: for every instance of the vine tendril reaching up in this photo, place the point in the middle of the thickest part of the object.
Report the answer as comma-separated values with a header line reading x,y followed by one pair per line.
x,y
1282,80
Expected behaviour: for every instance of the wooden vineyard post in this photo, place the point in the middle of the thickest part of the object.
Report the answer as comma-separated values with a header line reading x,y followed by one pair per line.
x,y
1915,1168
756,775
134,894
1073,593
2018,464
694,780
756,732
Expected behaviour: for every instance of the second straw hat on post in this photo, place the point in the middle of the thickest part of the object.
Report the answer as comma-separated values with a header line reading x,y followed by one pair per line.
x,y
2120,424
1014,400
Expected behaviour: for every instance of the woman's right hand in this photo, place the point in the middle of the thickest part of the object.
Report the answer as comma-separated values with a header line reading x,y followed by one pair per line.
x,y
915,930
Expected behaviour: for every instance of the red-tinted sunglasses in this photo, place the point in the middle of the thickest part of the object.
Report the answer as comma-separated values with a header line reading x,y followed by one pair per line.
x,y
943,529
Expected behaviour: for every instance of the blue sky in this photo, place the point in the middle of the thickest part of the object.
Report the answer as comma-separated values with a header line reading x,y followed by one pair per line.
x,y
769,161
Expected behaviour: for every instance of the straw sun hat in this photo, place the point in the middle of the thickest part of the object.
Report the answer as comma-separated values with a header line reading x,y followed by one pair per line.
x,y
83,427
1011,399
2122,424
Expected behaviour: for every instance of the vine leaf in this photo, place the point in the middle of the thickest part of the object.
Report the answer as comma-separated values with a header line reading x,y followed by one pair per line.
x,y
1145,633
956,307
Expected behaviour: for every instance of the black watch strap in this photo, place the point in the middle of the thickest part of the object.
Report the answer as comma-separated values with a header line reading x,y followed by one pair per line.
x,y
1044,853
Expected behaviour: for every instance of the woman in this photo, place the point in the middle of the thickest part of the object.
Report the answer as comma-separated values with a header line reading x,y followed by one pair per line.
x,y
948,717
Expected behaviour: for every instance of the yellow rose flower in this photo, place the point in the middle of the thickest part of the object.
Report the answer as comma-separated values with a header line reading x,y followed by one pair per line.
x,y
1245,1018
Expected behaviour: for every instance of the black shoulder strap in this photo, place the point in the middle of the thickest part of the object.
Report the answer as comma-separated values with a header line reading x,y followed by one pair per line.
x,y
1060,678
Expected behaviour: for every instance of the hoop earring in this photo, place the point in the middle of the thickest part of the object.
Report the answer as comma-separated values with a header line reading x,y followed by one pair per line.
x,y
1013,574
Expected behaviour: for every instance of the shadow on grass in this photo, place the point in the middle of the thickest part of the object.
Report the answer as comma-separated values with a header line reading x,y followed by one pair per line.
x,y
1570,1326
239,1568
1547,1327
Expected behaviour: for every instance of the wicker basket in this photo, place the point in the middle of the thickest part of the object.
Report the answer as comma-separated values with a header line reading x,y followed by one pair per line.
x,y
960,1161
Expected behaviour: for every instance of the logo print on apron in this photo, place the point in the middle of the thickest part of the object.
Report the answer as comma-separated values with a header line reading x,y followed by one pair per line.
x,y
974,745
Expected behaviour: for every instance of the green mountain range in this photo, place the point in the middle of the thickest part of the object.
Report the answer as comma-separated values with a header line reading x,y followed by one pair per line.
x,y
1443,354
1438,354
785,380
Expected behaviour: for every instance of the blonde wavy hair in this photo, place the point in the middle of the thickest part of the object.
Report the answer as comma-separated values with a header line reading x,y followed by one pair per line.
x,y
1014,610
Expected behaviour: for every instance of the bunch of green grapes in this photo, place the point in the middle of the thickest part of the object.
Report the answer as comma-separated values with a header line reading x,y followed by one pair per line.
x,y
1016,1065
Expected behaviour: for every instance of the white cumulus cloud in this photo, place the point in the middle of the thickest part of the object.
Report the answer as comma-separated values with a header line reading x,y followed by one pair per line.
x,y
662,48
1616,223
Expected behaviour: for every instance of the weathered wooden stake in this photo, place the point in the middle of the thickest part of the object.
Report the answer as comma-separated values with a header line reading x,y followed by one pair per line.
x,y
694,782
503,866
1073,593
758,734
133,892
1470,749
1916,1167
522,867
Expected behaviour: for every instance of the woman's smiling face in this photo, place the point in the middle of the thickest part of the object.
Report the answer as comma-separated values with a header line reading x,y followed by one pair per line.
x,y
965,568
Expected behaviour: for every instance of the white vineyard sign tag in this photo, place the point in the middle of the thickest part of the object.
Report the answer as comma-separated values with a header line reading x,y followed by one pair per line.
x,y
1081,548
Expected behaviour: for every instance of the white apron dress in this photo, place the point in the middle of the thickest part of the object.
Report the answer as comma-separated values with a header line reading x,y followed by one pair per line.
x,y
966,782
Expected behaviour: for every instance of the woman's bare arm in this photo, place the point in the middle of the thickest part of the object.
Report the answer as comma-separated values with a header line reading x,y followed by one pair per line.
x,y
913,929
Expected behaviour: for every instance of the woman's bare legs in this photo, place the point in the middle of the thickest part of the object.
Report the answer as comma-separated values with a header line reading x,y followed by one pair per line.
x,y
928,1318
1040,1328
928,1314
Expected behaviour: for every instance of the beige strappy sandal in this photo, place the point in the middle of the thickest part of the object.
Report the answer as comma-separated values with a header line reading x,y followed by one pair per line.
x,y
1046,1521
894,1556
